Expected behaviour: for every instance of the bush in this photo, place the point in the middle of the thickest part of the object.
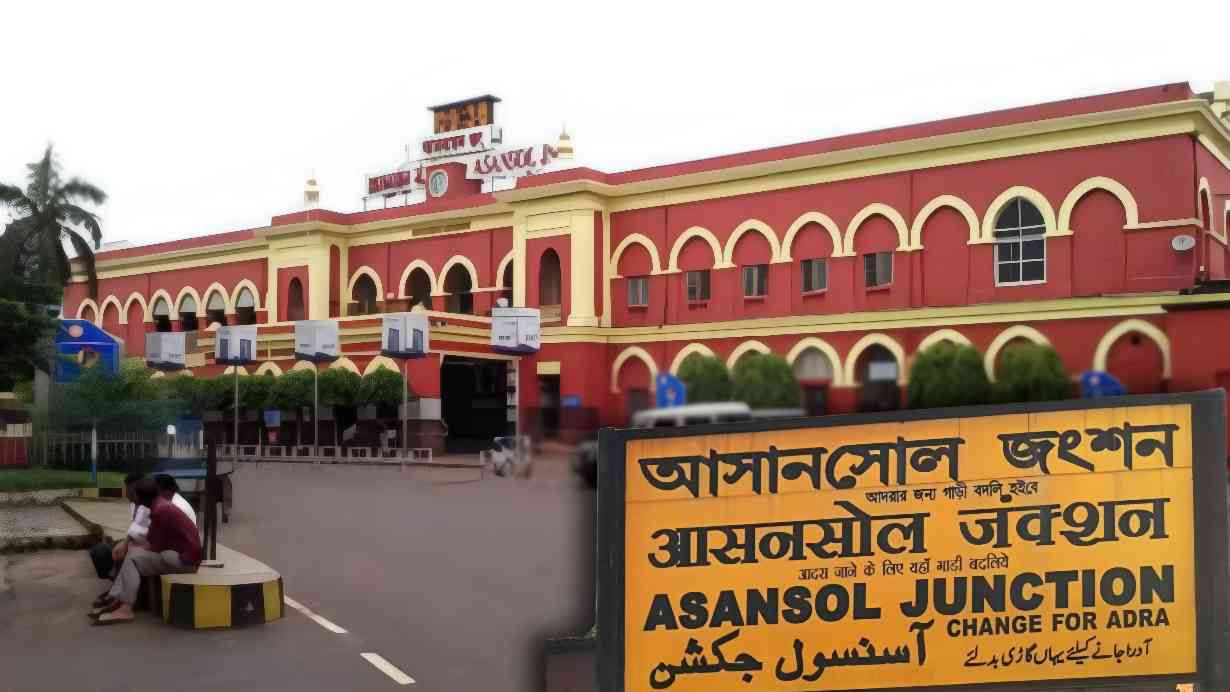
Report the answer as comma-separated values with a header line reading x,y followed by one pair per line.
x,y
765,381
948,374
340,387
292,391
381,387
706,378
255,390
1030,372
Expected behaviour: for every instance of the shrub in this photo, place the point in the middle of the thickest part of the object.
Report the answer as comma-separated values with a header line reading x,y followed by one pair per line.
x,y
340,387
1030,372
381,387
292,391
765,381
255,390
706,378
948,374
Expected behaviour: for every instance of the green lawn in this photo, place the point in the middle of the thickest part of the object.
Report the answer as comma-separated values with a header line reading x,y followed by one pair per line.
x,y
18,480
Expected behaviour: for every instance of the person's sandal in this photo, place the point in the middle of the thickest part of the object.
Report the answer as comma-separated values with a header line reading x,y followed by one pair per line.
x,y
104,620
104,609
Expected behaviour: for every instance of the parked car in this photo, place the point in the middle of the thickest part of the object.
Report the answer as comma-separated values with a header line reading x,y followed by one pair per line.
x,y
585,462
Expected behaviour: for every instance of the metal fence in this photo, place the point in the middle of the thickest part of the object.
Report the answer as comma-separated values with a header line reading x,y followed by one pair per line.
x,y
56,449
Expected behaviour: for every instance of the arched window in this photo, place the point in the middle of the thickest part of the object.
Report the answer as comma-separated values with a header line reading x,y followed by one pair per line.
x,y
363,298
1020,246
457,285
245,304
294,301
418,288
215,309
877,372
549,286
506,281
162,315
187,314
814,371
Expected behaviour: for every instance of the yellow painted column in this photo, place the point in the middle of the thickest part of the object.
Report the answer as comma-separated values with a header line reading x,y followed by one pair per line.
x,y
583,274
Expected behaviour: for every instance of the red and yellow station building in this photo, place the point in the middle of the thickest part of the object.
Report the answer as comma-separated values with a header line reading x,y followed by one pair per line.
x,y
1098,225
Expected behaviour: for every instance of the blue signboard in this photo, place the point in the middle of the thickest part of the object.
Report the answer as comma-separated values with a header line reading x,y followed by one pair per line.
x,y
670,390
80,344
273,418
1095,383
571,401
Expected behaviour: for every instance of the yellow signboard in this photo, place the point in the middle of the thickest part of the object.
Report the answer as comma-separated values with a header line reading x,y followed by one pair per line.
x,y
1045,545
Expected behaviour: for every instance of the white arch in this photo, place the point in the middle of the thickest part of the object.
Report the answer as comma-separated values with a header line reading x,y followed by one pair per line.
x,y
815,342
1139,326
145,317
153,300
817,218
89,302
157,375
256,296
345,364
866,342
269,368
119,309
695,232
464,262
230,370
655,262
951,201
303,365
758,226
1018,331
1114,187
431,277
188,291
687,351
1038,199
743,349
381,362
894,217
632,352
949,335
1205,192
499,272
369,272
216,287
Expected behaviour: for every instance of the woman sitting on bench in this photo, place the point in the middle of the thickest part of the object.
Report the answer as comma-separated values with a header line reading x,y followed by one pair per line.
x,y
174,548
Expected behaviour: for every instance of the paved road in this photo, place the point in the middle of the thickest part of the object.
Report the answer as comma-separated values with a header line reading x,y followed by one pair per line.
x,y
457,583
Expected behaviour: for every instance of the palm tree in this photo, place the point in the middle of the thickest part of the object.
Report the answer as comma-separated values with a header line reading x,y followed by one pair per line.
x,y
47,214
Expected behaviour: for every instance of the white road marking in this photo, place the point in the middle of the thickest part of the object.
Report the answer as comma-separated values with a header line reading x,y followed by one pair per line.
x,y
388,669
319,620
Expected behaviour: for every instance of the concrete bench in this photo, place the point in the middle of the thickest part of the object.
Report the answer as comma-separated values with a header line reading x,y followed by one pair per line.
x,y
243,591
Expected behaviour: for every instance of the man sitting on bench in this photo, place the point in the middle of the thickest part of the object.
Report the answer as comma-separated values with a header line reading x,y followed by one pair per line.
x,y
108,556
169,490
174,548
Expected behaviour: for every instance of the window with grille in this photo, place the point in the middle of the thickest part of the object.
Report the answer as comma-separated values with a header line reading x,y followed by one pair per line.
x,y
878,269
1020,245
698,285
638,291
756,281
815,275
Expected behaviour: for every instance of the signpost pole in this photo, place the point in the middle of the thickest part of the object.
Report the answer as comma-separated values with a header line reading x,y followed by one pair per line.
x,y
94,454
236,447
405,403
316,410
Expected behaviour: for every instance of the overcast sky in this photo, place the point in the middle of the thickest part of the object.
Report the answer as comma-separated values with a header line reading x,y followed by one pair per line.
x,y
207,118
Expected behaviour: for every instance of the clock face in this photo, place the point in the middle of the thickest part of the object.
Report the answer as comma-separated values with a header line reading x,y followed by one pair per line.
x,y
437,184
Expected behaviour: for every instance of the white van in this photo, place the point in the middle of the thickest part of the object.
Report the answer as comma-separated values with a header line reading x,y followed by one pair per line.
x,y
692,414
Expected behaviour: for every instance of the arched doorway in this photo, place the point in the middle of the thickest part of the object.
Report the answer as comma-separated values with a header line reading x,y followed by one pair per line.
x,y
418,288
215,309
877,372
295,309
187,314
245,305
457,286
87,313
1137,362
363,297
111,321
162,315
506,283
814,372
549,286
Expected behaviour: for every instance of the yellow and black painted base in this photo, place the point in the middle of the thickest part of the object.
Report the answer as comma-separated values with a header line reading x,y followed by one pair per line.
x,y
203,606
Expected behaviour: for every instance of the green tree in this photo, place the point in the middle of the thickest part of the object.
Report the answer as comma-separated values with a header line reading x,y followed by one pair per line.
x,y
1030,372
48,214
381,387
128,400
706,378
948,374
339,390
255,391
292,391
27,332
765,381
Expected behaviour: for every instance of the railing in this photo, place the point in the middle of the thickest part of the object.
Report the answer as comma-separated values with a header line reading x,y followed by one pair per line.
x,y
330,453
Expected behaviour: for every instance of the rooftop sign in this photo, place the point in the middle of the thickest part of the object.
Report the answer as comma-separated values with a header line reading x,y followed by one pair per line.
x,y
967,547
